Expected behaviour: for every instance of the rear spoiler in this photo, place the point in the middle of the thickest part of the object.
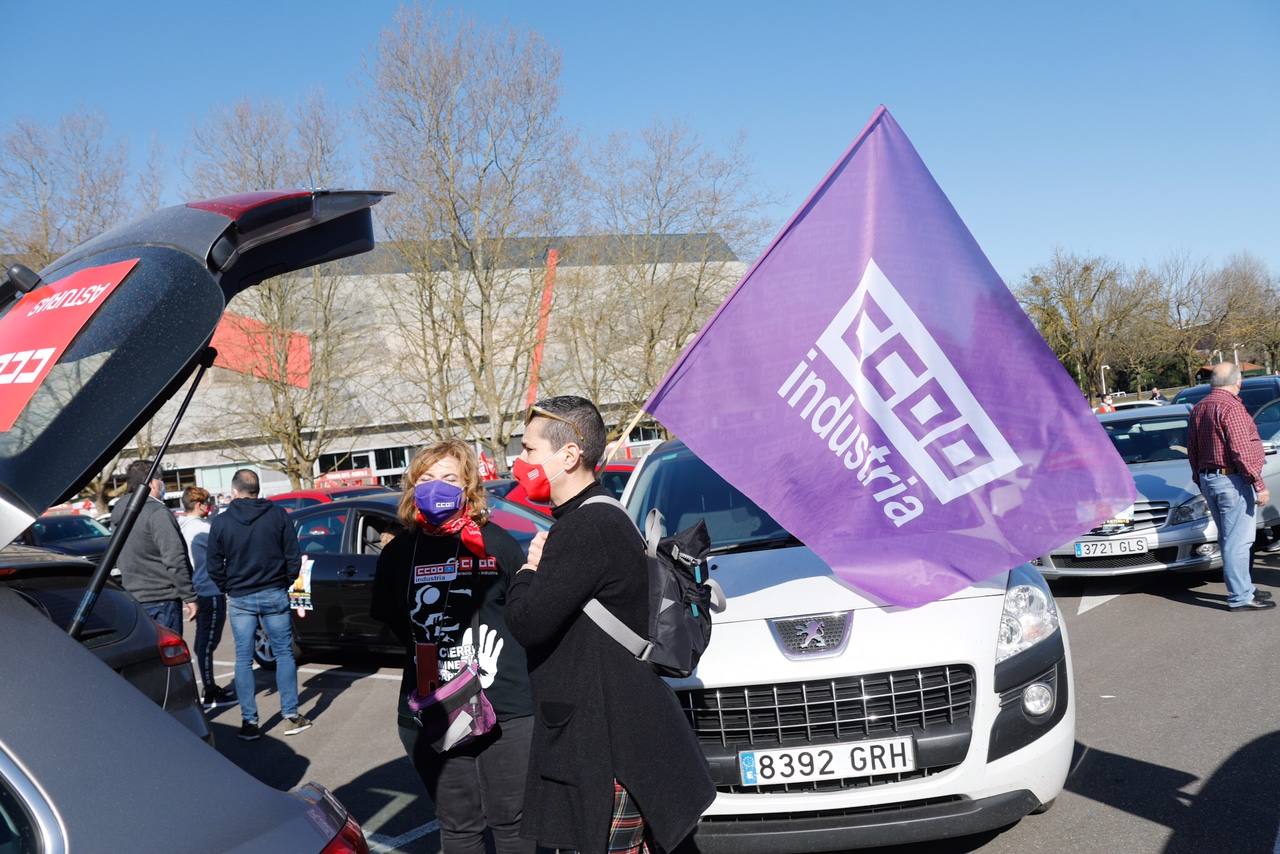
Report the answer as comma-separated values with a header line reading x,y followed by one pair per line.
x,y
246,238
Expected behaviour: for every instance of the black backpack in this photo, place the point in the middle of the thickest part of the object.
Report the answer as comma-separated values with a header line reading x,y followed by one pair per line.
x,y
681,598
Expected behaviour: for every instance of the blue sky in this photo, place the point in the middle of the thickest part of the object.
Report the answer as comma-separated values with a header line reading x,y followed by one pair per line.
x,y
1127,129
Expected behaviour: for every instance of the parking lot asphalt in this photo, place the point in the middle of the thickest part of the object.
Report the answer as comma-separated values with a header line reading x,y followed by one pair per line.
x,y
1178,730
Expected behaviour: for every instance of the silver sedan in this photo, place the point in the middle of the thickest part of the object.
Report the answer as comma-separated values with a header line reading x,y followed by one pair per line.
x,y
1168,528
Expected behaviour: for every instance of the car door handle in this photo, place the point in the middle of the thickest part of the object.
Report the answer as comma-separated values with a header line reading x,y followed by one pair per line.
x,y
347,571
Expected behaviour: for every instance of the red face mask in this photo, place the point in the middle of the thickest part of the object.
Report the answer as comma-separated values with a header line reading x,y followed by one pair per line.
x,y
533,479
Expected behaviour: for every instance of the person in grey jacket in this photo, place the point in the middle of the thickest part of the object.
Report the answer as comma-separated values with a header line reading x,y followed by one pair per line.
x,y
153,562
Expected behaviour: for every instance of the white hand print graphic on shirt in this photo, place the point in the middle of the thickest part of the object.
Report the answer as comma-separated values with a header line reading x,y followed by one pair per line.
x,y
487,652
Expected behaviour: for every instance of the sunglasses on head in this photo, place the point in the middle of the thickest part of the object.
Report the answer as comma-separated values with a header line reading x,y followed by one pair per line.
x,y
539,412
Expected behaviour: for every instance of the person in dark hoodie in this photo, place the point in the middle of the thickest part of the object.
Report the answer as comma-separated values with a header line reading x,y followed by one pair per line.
x,y
153,562
615,765
253,558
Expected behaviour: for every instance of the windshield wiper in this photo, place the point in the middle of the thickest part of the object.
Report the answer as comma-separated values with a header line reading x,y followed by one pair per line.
x,y
757,545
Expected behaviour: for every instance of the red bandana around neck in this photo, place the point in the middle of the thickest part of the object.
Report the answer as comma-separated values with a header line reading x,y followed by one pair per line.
x,y
461,524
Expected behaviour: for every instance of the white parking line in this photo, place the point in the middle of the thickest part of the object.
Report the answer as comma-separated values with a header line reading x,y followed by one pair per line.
x,y
1088,603
315,671
379,844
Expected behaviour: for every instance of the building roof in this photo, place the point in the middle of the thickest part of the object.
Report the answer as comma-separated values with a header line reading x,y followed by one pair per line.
x,y
573,251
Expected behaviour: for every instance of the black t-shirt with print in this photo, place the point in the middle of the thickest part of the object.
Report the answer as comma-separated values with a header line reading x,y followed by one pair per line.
x,y
418,574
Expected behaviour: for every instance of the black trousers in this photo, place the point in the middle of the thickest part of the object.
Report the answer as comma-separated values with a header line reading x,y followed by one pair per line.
x,y
211,614
477,786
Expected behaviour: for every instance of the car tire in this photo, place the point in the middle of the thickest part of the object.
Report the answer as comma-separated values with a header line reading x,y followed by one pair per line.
x,y
262,653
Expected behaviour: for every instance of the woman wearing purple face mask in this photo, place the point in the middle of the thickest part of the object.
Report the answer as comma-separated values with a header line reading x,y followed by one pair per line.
x,y
441,587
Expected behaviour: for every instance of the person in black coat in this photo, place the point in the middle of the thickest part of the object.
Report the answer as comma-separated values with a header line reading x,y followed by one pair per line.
x,y
614,763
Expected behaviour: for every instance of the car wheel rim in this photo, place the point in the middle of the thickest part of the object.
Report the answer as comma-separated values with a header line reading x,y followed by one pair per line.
x,y
262,646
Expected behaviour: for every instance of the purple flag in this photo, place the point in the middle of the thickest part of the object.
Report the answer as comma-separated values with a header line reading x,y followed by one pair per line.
x,y
873,385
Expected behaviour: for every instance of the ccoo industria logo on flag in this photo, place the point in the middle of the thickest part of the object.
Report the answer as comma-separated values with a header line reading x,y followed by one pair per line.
x,y
874,387
880,357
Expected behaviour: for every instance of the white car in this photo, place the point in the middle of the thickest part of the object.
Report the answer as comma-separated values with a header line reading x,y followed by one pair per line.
x,y
832,722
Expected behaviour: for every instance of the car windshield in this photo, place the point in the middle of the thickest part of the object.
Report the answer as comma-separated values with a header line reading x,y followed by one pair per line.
x,y
1149,440
52,529
685,489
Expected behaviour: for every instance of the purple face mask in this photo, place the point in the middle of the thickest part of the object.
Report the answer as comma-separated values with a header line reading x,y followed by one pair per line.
x,y
437,501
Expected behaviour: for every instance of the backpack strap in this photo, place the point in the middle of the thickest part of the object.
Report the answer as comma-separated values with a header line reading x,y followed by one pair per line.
x,y
654,530
618,630
639,647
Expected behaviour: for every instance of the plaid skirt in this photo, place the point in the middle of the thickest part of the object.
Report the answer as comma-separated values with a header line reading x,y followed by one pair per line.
x,y
626,830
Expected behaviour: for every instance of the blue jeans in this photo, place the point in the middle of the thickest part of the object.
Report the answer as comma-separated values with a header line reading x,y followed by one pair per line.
x,y
1231,502
167,613
272,608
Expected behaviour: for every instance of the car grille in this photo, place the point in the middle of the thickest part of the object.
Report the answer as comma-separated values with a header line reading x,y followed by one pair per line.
x,y
1146,514
831,710
1154,557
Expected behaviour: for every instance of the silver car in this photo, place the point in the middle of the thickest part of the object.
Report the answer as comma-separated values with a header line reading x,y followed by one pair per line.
x,y
1168,527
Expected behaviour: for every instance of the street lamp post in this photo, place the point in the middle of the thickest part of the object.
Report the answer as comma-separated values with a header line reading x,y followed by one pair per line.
x,y
1235,351
1104,370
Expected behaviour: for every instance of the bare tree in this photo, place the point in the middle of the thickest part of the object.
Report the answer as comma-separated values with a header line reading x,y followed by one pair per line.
x,y
666,210
463,124
1082,307
59,186
291,400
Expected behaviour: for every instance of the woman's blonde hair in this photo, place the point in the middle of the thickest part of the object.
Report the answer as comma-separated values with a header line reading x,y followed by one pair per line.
x,y
468,468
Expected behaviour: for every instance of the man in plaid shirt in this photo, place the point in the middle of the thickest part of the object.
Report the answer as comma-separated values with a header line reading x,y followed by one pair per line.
x,y
1226,458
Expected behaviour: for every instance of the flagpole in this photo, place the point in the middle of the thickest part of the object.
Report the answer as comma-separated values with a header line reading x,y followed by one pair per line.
x,y
624,438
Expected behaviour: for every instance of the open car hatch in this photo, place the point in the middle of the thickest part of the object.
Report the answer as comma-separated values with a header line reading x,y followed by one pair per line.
x,y
118,324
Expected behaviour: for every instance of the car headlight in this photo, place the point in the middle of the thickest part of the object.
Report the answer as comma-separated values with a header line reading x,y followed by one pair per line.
x,y
1030,614
1190,510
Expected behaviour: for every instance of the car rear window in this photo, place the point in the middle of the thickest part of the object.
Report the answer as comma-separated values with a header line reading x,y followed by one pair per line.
x,y
134,346
685,489
1254,397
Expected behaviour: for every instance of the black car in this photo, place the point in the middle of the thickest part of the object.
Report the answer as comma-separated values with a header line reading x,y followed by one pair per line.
x,y
68,533
340,544
1255,392
119,632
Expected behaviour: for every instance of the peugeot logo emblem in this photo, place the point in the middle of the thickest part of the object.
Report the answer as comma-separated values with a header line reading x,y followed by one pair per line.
x,y
812,635
812,632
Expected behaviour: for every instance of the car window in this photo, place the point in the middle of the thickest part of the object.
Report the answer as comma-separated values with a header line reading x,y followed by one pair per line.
x,y
1256,397
321,533
615,481
1149,440
515,518
18,833
375,531
135,344
1192,395
685,489
1268,421
52,529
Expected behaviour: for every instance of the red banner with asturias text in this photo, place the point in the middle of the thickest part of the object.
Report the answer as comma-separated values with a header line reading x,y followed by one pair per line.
x,y
39,328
